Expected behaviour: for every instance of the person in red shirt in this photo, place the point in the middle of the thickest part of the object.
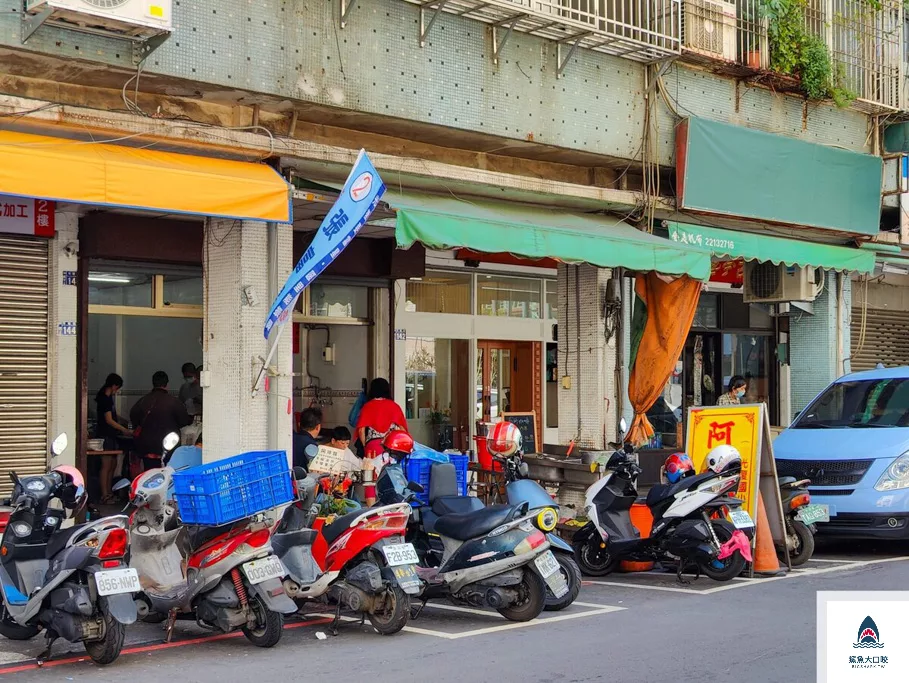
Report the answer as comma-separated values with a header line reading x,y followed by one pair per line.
x,y
379,415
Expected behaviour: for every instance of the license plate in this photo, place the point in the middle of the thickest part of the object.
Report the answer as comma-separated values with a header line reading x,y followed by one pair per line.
x,y
400,553
814,513
117,581
741,519
408,579
547,564
265,569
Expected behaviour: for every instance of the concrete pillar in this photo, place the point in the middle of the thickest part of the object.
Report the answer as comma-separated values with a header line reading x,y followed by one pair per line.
x,y
587,408
813,346
236,260
62,355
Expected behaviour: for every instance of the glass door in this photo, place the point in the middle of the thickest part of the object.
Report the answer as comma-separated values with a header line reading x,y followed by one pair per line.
x,y
495,361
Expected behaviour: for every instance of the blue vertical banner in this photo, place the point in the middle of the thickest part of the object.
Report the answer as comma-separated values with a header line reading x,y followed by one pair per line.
x,y
358,199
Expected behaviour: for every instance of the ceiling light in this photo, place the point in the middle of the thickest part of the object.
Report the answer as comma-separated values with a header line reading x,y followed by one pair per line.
x,y
118,279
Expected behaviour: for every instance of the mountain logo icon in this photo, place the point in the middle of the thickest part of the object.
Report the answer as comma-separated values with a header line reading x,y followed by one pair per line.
x,y
868,635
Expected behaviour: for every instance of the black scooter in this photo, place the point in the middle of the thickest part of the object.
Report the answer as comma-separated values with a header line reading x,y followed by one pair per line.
x,y
73,583
686,527
799,535
492,556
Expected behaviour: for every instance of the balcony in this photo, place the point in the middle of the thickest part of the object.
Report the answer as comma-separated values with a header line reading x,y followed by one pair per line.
x,y
640,30
847,50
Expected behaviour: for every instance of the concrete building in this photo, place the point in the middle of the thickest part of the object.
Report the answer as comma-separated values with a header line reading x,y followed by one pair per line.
x,y
660,129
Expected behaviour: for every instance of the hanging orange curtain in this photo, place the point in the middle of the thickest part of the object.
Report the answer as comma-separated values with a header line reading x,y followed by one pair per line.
x,y
662,318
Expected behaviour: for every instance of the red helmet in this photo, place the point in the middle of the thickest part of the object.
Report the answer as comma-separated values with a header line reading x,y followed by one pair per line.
x,y
505,439
677,467
398,443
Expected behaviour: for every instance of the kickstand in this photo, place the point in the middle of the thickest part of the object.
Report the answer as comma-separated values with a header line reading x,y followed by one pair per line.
x,y
46,653
417,611
678,574
169,625
333,626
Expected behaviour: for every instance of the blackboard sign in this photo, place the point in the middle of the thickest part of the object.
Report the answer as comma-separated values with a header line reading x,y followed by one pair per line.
x,y
527,423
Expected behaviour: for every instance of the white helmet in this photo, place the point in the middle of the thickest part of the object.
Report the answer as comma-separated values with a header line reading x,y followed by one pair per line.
x,y
723,457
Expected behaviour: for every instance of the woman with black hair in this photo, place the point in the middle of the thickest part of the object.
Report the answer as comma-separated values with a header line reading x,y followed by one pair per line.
x,y
380,414
736,392
109,428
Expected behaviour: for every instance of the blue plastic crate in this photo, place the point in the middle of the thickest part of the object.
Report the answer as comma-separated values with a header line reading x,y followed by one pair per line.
x,y
231,489
461,462
418,468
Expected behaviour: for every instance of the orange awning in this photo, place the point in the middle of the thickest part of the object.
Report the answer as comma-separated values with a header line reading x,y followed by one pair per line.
x,y
111,175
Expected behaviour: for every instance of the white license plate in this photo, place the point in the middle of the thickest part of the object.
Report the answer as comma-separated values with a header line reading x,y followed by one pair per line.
x,y
265,569
741,519
547,564
117,581
400,553
814,513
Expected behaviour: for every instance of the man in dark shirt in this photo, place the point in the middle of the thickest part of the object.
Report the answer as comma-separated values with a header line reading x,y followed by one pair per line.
x,y
305,445
154,416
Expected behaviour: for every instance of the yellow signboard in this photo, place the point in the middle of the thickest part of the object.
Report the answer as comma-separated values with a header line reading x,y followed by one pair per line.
x,y
740,426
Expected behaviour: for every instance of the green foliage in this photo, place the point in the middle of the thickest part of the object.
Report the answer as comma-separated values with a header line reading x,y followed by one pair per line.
x,y
796,52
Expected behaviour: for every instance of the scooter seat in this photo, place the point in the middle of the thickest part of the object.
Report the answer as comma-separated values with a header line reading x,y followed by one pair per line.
x,y
197,536
59,540
332,531
463,527
661,492
456,505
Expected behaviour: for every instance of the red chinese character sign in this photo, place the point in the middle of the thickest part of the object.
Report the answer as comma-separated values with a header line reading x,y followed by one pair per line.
x,y
24,216
739,426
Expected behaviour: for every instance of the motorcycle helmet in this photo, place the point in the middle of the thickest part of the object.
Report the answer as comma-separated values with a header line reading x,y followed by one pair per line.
x,y
677,467
398,444
505,440
723,458
72,492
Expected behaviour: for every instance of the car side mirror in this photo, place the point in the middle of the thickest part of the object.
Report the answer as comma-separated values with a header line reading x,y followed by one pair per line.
x,y
415,487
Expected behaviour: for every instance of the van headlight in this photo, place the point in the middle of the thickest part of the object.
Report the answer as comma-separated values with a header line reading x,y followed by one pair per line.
x,y
896,476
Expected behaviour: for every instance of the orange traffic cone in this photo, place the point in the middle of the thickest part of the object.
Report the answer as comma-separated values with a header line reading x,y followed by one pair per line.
x,y
765,561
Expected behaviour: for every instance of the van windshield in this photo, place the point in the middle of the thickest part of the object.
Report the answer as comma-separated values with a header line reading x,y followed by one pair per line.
x,y
859,404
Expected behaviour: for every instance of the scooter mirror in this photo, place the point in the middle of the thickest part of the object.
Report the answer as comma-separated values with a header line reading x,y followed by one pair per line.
x,y
524,470
299,473
59,444
171,441
415,487
623,426
120,485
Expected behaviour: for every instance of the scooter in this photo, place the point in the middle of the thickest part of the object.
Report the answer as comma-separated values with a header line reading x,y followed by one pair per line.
x,y
799,533
359,560
223,577
73,582
685,529
490,556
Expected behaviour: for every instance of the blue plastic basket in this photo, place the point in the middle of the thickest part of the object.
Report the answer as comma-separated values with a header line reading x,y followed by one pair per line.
x,y
418,468
231,489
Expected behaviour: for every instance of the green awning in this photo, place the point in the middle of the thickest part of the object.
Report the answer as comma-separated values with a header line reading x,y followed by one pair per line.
x,y
535,232
752,247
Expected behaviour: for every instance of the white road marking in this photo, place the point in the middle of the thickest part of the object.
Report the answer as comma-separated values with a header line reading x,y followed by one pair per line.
x,y
458,608
824,559
668,589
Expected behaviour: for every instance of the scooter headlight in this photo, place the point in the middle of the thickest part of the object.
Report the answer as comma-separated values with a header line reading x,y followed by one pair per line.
x,y
22,529
547,520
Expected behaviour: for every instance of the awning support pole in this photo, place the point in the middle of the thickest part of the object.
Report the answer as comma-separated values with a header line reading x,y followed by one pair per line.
x,y
268,358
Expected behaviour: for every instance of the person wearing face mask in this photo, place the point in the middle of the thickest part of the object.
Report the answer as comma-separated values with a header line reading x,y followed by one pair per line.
x,y
191,391
737,388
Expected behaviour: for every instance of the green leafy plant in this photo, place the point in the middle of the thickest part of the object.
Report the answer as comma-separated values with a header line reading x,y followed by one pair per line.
x,y
814,68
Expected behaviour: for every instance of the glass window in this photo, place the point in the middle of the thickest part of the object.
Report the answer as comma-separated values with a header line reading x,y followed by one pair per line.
x,y
436,389
748,355
706,315
509,297
120,289
338,301
862,404
182,290
439,292
552,299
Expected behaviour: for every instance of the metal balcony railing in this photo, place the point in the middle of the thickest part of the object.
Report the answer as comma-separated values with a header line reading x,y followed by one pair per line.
x,y
641,30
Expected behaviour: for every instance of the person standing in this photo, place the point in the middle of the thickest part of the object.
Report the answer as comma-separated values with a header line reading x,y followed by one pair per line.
x,y
191,391
154,416
109,428
379,416
736,392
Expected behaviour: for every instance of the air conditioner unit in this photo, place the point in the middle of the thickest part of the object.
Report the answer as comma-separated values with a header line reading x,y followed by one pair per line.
x,y
766,283
130,18
709,28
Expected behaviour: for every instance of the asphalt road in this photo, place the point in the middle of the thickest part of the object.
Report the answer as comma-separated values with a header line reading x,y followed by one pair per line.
x,y
623,629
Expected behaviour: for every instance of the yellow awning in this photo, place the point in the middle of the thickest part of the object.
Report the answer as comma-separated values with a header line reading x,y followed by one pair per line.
x,y
111,175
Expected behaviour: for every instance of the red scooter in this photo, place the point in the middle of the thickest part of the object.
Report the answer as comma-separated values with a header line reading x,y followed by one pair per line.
x,y
359,560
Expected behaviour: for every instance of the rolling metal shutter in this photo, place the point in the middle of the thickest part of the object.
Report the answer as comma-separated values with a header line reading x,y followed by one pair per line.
x,y
886,338
23,356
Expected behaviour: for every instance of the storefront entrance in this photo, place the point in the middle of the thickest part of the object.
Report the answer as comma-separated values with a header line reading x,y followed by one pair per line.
x,y
505,379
